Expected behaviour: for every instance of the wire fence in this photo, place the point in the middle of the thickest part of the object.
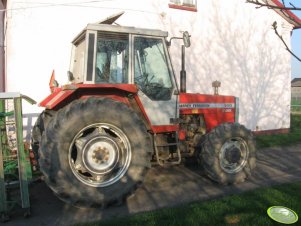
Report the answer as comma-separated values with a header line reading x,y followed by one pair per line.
x,y
296,105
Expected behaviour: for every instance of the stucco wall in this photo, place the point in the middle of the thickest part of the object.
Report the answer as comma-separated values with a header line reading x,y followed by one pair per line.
x,y
231,42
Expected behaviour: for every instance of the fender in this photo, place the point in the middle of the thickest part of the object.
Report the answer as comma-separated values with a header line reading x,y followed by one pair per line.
x,y
125,93
67,93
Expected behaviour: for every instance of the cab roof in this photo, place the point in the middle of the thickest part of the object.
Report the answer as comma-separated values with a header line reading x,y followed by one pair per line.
x,y
119,29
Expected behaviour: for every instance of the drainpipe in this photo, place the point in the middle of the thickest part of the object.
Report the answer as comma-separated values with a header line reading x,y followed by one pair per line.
x,y
2,51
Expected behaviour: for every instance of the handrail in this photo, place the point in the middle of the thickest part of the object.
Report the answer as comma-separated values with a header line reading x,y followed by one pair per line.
x,y
12,95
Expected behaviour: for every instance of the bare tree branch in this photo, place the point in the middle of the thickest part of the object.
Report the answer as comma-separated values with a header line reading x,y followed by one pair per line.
x,y
281,38
284,10
269,6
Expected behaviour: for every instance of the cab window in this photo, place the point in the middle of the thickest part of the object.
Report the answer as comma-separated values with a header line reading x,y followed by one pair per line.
x,y
151,71
112,59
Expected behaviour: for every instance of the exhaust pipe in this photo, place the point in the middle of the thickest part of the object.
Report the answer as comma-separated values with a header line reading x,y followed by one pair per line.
x,y
183,73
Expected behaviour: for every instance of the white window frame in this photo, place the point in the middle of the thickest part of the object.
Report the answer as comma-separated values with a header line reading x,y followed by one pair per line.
x,y
187,3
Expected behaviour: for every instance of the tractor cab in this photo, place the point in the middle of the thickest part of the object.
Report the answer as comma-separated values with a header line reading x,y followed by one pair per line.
x,y
110,54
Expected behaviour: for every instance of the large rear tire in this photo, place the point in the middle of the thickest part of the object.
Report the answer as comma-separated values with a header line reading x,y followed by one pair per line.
x,y
95,152
38,130
228,153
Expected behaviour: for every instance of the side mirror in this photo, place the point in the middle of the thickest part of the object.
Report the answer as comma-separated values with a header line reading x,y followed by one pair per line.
x,y
186,39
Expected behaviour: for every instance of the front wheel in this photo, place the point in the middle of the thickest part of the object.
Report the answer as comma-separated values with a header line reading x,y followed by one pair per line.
x,y
228,153
96,152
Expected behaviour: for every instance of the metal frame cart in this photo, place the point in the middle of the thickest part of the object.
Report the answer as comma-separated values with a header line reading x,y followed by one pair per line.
x,y
13,159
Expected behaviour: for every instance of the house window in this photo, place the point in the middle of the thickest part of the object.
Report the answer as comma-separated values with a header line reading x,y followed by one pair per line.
x,y
190,5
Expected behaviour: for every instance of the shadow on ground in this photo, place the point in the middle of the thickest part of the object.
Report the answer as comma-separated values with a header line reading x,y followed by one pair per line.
x,y
163,187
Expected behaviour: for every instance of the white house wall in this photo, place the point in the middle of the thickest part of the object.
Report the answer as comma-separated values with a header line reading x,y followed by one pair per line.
x,y
232,42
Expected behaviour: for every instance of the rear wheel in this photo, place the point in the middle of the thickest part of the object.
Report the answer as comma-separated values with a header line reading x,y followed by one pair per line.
x,y
96,152
38,130
228,153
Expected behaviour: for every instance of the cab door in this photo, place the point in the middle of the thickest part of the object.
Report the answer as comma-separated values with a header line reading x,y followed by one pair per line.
x,y
152,73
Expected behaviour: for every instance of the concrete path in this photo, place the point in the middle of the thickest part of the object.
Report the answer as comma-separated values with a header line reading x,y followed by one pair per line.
x,y
164,187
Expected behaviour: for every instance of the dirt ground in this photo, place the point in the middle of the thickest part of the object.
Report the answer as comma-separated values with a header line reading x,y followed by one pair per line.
x,y
163,187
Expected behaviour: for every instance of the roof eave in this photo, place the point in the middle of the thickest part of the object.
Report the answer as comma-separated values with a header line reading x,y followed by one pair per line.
x,y
292,18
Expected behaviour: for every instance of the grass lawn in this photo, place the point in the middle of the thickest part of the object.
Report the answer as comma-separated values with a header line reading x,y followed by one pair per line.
x,y
244,209
282,139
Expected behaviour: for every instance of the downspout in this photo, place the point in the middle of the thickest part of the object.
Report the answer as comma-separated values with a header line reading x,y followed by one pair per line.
x,y
2,48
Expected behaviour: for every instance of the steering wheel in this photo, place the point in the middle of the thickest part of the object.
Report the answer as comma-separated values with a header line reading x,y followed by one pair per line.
x,y
154,85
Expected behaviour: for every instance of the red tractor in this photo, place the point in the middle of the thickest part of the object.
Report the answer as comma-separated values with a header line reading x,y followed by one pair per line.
x,y
123,110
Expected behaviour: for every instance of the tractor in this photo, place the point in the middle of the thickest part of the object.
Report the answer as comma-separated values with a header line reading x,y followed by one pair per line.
x,y
123,112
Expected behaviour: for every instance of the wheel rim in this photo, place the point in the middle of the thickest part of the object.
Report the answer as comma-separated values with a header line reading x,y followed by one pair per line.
x,y
234,155
99,155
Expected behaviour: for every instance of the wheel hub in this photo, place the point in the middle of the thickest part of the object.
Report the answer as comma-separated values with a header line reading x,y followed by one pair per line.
x,y
233,155
100,155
